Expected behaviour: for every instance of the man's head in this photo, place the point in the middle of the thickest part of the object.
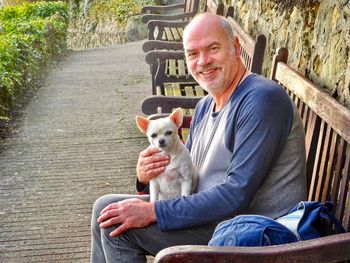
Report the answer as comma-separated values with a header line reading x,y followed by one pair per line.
x,y
212,52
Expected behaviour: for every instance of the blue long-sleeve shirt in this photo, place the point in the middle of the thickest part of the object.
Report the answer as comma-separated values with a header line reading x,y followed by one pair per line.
x,y
255,161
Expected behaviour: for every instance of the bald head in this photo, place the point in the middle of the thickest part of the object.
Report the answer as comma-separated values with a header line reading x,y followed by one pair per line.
x,y
205,22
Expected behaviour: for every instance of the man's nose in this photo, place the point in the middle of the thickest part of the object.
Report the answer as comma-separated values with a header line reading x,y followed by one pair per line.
x,y
203,59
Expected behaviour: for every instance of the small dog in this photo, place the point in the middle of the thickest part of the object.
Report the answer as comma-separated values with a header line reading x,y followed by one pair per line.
x,y
180,177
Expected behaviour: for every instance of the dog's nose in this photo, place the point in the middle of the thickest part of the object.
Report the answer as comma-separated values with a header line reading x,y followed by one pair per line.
x,y
161,142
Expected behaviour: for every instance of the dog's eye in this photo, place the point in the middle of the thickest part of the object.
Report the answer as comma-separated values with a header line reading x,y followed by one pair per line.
x,y
169,133
153,135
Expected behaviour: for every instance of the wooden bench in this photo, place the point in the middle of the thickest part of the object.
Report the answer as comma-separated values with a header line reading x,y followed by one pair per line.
x,y
326,124
170,76
182,11
169,27
167,35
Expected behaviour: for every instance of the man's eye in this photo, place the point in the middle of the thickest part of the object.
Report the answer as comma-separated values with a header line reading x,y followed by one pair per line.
x,y
215,48
153,135
191,55
168,133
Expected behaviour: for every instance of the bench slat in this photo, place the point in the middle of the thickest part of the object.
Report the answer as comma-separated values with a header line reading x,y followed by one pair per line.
x,y
168,34
344,198
346,218
330,167
176,35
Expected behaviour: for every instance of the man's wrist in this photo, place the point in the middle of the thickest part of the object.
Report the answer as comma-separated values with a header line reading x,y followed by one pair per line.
x,y
152,212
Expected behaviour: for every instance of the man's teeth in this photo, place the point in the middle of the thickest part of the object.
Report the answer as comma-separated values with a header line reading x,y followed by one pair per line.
x,y
207,72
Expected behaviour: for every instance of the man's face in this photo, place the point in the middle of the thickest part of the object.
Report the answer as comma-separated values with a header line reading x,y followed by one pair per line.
x,y
211,57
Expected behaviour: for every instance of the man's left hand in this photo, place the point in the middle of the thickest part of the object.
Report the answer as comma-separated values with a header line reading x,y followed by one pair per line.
x,y
129,213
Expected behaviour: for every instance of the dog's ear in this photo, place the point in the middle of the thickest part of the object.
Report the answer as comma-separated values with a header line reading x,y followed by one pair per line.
x,y
177,117
142,123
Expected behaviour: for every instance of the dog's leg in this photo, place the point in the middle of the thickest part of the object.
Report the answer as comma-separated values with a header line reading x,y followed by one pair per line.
x,y
186,186
154,190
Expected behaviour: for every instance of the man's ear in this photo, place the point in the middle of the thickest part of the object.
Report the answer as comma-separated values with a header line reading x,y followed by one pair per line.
x,y
237,46
177,117
142,123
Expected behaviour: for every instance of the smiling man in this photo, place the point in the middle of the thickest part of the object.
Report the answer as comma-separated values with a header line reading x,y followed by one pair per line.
x,y
246,140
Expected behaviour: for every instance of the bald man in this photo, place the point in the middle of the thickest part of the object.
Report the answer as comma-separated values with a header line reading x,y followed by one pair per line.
x,y
246,140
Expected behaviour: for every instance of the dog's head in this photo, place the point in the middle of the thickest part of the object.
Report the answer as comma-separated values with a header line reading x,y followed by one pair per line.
x,y
161,133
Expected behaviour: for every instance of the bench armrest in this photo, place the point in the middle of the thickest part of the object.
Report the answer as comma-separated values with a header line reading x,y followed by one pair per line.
x,y
153,9
151,104
154,56
325,249
183,16
160,45
166,23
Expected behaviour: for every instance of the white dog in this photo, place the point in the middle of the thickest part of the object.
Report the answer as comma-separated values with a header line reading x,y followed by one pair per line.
x,y
180,177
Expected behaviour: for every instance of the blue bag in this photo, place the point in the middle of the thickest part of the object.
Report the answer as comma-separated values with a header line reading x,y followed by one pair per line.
x,y
251,231
307,220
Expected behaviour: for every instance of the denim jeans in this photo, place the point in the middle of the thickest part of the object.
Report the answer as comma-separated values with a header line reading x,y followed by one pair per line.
x,y
133,245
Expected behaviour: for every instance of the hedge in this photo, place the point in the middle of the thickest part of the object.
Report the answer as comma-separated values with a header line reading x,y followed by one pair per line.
x,y
30,35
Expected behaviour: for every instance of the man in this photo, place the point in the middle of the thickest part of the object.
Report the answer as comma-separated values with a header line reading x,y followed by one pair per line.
x,y
246,140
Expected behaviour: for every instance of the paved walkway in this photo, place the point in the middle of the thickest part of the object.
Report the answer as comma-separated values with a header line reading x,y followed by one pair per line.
x,y
76,140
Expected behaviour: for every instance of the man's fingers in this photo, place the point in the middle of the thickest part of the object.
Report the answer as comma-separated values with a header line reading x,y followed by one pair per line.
x,y
155,159
119,230
111,222
148,152
109,207
155,165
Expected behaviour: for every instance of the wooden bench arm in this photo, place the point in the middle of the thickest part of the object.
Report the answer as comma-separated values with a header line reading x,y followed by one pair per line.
x,y
325,249
150,104
159,45
152,57
154,9
183,16
163,23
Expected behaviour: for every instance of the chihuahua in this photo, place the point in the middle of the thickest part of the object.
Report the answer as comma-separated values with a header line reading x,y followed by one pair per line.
x,y
180,176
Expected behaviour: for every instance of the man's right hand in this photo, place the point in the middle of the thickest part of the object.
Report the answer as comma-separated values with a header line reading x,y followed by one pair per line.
x,y
151,164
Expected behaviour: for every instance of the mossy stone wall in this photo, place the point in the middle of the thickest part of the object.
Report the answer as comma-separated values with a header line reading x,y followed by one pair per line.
x,y
316,33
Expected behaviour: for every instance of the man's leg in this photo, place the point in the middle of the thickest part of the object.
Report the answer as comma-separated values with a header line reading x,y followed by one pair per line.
x,y
134,244
104,248
152,240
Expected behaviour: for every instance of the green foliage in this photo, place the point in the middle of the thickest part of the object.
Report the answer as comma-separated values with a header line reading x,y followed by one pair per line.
x,y
119,9
30,35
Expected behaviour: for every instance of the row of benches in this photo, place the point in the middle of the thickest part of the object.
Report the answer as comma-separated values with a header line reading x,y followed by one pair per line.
x,y
326,124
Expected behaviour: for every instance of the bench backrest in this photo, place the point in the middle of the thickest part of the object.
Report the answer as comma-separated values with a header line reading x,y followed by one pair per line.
x,y
252,51
327,131
191,7
214,7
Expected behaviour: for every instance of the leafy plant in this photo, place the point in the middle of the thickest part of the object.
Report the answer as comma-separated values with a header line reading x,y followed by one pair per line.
x,y
30,35
119,9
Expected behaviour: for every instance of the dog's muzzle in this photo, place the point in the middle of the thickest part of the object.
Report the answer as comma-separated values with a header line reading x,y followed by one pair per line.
x,y
161,143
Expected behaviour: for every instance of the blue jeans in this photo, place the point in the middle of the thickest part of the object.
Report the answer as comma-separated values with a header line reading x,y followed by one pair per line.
x,y
133,245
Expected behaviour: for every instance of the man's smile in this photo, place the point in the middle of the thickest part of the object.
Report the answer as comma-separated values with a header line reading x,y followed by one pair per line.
x,y
209,71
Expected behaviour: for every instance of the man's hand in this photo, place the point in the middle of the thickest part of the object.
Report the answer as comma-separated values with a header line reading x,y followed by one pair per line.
x,y
129,213
150,164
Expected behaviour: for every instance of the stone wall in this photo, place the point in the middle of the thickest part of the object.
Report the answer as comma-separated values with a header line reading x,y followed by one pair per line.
x,y
316,33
